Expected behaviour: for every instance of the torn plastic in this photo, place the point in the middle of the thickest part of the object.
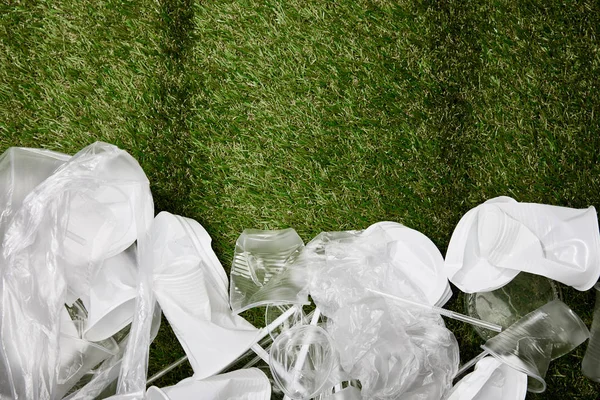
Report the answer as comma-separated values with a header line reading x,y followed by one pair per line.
x,y
496,240
590,366
50,257
243,384
393,350
491,380
21,170
191,288
261,272
545,334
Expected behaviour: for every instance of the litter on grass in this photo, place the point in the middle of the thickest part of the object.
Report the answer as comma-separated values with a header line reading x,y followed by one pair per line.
x,y
86,271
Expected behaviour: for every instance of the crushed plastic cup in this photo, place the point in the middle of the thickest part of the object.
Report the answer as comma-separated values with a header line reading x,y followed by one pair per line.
x,y
301,360
112,296
260,273
496,240
243,384
545,334
191,288
590,365
505,306
491,380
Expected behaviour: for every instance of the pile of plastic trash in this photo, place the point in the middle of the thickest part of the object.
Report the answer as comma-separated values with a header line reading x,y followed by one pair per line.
x,y
87,270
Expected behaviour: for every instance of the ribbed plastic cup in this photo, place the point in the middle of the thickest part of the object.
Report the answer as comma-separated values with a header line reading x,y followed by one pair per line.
x,y
591,361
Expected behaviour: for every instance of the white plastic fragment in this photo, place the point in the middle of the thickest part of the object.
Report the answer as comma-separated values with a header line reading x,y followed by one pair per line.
x,y
111,304
419,258
496,240
491,380
243,384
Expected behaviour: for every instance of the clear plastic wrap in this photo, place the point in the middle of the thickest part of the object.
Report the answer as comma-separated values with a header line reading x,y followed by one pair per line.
x,y
50,256
395,351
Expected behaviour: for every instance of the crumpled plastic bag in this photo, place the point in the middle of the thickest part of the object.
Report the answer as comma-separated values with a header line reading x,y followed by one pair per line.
x,y
88,207
496,240
393,350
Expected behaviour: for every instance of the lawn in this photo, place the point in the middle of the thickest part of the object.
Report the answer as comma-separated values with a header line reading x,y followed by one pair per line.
x,y
320,115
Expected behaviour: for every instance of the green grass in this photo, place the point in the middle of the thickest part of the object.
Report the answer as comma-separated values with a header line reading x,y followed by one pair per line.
x,y
320,115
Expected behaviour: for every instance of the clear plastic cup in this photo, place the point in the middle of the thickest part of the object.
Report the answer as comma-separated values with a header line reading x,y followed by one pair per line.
x,y
591,361
260,273
505,306
301,361
545,334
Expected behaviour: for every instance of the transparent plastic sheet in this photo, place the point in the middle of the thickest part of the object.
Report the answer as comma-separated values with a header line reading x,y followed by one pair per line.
x,y
545,334
21,170
263,270
48,249
395,351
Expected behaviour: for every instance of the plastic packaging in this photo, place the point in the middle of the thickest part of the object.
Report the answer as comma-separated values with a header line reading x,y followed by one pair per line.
x,y
261,272
496,240
49,258
505,306
591,361
243,384
191,288
545,334
393,350
491,380
21,170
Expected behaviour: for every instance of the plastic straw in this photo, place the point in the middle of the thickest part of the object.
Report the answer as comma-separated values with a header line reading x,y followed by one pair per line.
x,y
443,311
